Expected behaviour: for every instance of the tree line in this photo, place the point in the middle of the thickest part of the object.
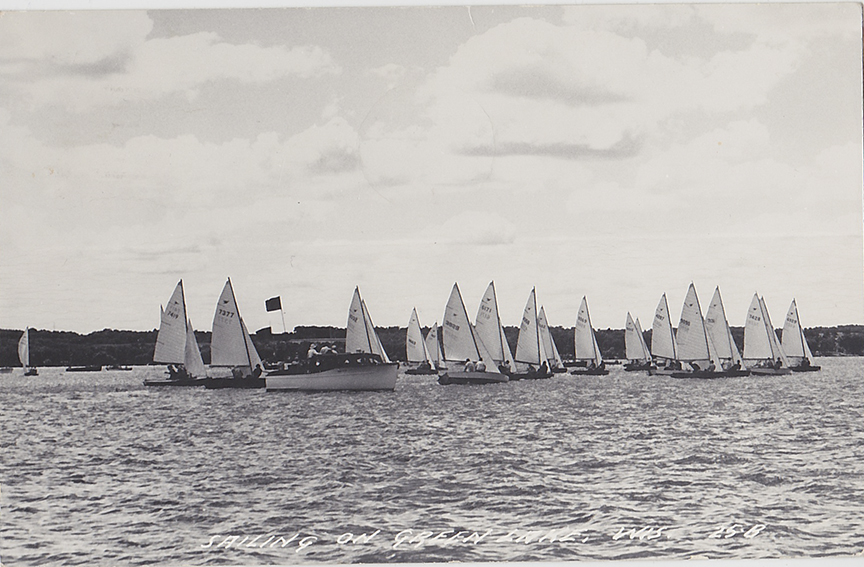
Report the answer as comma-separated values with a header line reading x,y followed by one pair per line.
x,y
109,346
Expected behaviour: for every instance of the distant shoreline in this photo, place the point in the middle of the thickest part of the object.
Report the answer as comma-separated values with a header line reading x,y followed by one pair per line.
x,y
109,346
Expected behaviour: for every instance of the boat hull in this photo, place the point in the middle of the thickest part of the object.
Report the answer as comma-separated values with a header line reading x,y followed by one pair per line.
x,y
365,378
421,372
770,371
707,375
32,372
589,372
529,375
637,367
182,382
472,378
84,369
245,383
805,368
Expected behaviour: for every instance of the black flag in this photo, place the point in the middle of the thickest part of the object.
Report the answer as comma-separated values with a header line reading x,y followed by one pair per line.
x,y
274,304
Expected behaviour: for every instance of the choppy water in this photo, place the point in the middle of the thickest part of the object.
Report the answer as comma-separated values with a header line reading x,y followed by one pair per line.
x,y
96,469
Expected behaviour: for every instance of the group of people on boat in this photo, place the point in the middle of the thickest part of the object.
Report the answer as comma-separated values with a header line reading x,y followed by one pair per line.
x,y
471,366
325,349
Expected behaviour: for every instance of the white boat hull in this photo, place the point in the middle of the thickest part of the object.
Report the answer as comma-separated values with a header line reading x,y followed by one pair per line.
x,y
374,377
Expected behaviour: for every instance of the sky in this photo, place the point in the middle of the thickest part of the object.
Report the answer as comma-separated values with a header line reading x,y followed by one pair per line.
x,y
616,152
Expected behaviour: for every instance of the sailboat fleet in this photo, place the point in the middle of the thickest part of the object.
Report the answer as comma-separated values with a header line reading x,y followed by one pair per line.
x,y
461,352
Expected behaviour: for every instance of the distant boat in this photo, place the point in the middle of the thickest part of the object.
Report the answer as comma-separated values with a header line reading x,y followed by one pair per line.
x,y
463,350
532,360
794,343
762,353
419,359
636,350
663,344
555,362
232,347
365,365
176,345
695,346
721,336
24,353
118,367
87,368
433,345
491,332
585,343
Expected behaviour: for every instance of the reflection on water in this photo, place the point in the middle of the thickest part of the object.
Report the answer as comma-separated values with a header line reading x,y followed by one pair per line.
x,y
96,469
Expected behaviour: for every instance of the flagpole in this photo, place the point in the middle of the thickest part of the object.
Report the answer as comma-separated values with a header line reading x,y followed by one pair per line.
x,y
284,328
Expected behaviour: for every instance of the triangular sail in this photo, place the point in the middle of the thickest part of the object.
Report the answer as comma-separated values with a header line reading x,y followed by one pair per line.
x,y
360,335
633,342
794,343
192,358
489,330
24,349
662,338
377,346
548,342
645,352
529,346
776,349
719,331
415,346
171,340
459,338
757,343
585,342
433,346
230,344
692,338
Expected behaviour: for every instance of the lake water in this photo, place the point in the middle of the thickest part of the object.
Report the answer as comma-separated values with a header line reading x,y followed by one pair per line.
x,y
97,469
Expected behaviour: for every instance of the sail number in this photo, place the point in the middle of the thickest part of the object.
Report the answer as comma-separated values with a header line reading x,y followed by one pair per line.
x,y
224,313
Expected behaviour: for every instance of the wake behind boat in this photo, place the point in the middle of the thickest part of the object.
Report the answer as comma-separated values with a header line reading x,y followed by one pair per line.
x,y
365,366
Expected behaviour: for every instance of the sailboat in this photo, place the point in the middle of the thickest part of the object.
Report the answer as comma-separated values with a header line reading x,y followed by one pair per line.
x,y
663,344
24,353
176,345
556,363
415,348
363,366
636,350
794,343
433,347
532,359
491,332
585,343
463,346
721,336
232,347
695,346
762,353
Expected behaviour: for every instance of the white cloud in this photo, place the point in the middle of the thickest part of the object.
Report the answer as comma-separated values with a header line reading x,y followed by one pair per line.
x,y
66,59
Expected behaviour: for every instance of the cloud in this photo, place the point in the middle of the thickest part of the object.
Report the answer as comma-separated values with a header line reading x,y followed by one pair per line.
x,y
87,66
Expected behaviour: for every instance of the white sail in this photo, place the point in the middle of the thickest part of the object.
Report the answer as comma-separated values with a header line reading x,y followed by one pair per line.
x,y
757,343
634,344
691,337
719,331
171,340
662,338
433,346
24,349
645,352
459,338
360,333
230,344
548,342
192,356
584,340
794,343
489,329
415,346
377,347
529,346
776,349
